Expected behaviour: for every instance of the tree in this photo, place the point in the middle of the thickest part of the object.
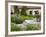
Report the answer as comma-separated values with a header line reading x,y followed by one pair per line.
x,y
16,10
23,11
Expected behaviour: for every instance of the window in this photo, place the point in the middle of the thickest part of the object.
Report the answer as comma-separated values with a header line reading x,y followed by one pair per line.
x,y
30,12
36,12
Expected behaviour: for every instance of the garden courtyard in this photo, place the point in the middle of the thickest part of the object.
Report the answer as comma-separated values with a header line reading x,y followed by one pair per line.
x,y
25,19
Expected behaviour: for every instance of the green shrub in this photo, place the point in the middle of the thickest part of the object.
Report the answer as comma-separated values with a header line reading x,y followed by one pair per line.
x,y
13,18
33,27
16,19
14,27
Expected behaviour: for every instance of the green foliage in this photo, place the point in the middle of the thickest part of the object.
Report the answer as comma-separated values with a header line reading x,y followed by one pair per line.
x,y
37,16
33,27
14,27
13,18
16,10
16,19
26,17
20,19
23,12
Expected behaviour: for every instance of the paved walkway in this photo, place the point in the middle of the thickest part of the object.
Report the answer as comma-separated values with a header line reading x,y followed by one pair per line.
x,y
26,22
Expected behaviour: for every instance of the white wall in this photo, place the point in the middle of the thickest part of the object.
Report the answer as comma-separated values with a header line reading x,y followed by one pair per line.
x,y
33,11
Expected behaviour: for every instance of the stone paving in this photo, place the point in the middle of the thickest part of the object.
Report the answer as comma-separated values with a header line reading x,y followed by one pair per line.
x,y
26,22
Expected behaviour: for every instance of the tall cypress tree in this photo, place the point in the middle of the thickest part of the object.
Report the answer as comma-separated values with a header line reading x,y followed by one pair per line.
x,y
16,10
23,11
